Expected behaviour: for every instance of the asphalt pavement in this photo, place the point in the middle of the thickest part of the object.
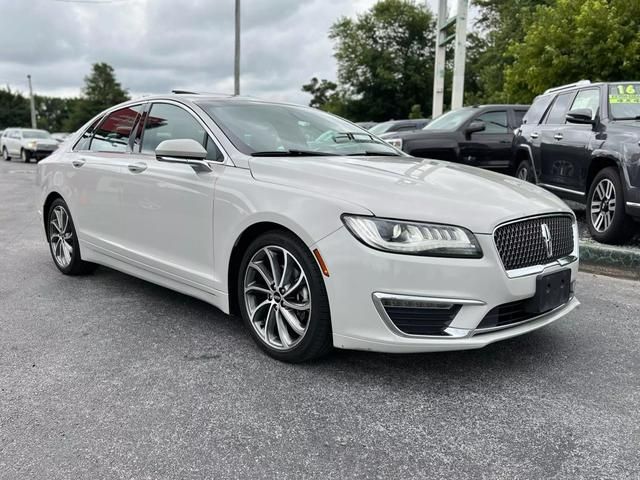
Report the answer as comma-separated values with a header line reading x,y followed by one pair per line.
x,y
108,376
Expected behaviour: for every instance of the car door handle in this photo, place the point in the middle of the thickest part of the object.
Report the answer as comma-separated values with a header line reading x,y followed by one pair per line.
x,y
558,136
137,167
78,162
534,135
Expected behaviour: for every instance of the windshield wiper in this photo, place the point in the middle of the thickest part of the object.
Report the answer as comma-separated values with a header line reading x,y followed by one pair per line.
x,y
292,153
374,154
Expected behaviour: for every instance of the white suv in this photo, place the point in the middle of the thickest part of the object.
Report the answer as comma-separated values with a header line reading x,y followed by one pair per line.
x,y
27,143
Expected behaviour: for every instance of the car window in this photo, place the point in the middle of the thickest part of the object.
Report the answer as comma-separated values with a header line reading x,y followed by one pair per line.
x,y
519,117
589,98
85,140
495,122
559,109
169,122
451,120
406,128
381,128
113,133
537,110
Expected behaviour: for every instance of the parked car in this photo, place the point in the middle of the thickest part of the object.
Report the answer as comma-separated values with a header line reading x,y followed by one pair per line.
x,y
27,143
581,142
399,126
344,242
366,125
480,136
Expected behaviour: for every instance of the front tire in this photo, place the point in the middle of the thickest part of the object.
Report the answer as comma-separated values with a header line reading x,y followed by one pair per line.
x,y
606,216
24,155
5,155
283,300
525,171
63,241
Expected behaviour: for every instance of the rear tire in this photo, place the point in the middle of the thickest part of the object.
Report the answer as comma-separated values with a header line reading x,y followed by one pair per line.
x,y
283,300
24,155
63,241
5,155
606,217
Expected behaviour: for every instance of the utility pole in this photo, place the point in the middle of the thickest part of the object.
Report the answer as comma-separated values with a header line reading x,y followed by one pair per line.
x,y
236,66
442,39
33,104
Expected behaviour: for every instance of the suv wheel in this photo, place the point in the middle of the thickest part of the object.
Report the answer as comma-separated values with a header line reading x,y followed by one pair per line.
x,y
5,154
283,300
63,241
525,171
607,220
24,155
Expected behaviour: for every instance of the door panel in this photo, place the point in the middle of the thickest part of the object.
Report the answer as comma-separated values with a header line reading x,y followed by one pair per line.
x,y
490,148
554,164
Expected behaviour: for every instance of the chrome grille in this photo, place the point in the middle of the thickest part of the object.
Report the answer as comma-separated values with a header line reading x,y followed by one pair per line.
x,y
522,244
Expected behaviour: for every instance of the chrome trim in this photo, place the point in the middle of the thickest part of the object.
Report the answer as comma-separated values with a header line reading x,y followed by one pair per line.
x,y
633,204
534,269
449,332
561,189
504,327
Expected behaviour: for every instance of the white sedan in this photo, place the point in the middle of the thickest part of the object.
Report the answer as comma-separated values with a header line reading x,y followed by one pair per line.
x,y
313,230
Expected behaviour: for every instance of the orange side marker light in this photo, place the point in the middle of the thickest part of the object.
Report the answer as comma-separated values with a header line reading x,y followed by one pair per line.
x,y
323,266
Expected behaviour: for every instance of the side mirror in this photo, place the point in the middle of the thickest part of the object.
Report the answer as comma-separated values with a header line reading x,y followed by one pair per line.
x,y
580,115
183,150
475,127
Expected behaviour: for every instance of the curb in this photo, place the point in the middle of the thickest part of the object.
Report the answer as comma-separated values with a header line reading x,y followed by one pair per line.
x,y
609,260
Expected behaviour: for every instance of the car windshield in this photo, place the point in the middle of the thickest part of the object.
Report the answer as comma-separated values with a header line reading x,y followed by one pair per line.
x,y
624,101
380,128
35,134
450,120
268,129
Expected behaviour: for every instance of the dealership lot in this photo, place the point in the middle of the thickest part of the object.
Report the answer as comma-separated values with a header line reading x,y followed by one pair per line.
x,y
110,376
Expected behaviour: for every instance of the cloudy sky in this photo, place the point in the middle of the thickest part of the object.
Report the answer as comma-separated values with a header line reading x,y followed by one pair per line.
x,y
158,45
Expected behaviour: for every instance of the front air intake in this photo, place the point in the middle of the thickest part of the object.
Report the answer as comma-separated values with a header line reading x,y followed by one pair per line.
x,y
415,316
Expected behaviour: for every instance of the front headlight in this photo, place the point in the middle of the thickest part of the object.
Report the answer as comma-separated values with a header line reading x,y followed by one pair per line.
x,y
395,142
427,239
32,144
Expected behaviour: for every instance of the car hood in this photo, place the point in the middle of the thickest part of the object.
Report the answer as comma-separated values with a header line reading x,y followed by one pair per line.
x,y
413,189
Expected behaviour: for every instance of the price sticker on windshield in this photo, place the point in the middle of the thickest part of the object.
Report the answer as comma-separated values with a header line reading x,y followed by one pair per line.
x,y
629,93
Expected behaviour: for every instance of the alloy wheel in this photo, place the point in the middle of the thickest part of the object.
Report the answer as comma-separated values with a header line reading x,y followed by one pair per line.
x,y
61,236
603,205
277,297
523,173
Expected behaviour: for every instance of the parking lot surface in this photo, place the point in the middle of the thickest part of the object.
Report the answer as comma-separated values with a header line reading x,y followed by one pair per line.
x,y
107,376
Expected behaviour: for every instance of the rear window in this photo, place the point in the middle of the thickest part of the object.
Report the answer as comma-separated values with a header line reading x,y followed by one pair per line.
x,y
536,111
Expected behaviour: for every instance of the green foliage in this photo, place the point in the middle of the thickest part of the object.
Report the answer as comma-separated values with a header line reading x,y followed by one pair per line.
x,y
416,111
573,40
385,62
101,91
14,109
52,112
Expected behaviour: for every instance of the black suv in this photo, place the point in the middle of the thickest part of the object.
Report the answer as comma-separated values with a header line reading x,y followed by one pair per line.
x,y
581,142
480,136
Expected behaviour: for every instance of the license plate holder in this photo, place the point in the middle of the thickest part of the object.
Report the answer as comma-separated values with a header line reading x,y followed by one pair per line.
x,y
552,290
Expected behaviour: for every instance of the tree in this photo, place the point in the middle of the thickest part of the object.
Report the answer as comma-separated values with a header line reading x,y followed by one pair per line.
x,y
416,111
101,91
573,40
14,109
385,62
53,112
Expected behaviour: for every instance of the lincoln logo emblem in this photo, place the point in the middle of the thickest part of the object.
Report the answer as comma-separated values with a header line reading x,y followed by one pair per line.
x,y
546,236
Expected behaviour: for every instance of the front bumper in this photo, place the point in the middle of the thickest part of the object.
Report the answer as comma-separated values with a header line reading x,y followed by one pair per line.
x,y
40,153
357,272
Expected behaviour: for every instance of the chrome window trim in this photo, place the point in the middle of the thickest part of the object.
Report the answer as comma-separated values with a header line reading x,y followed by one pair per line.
x,y
535,269
450,331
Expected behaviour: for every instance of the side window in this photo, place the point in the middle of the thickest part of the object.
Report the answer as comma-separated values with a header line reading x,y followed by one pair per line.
x,y
84,141
113,133
536,111
587,99
495,122
167,122
559,109
519,117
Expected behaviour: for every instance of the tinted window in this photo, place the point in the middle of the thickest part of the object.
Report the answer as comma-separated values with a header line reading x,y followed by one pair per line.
x,y
495,122
168,122
519,117
450,120
588,99
536,111
113,134
624,101
559,109
85,140
35,134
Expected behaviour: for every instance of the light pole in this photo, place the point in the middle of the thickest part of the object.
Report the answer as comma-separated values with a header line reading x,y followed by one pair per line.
x,y
33,104
236,66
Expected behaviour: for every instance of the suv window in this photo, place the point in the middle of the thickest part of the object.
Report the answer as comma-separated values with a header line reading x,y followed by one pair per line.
x,y
559,109
519,117
537,110
167,122
113,133
495,122
588,99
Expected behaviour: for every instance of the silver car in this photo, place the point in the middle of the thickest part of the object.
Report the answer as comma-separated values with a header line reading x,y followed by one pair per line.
x,y
27,144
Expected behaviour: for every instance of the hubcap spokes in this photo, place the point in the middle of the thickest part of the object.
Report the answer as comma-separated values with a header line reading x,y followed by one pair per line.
x,y
603,205
523,174
277,297
61,236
